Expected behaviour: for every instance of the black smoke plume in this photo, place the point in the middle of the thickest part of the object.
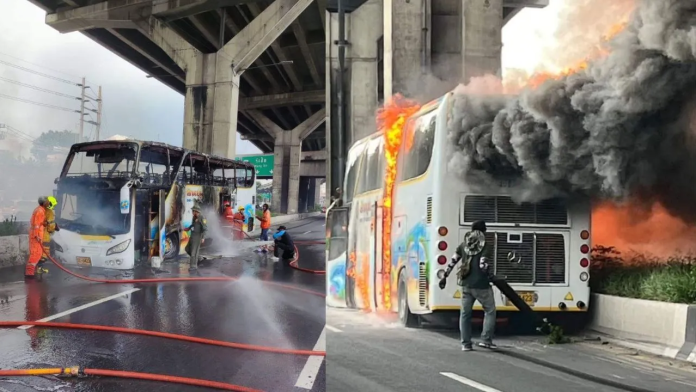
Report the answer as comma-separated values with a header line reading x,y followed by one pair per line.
x,y
621,129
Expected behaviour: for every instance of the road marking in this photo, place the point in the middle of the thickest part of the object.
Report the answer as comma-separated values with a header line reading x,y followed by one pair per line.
x,y
332,329
311,368
469,382
77,309
307,232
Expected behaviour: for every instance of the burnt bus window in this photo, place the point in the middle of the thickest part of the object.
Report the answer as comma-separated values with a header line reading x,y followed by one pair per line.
x,y
103,162
153,167
250,177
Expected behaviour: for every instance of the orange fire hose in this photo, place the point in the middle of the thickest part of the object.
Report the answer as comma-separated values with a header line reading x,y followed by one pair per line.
x,y
75,371
162,280
133,331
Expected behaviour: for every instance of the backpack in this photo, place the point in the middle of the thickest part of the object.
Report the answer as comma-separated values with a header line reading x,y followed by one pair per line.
x,y
473,244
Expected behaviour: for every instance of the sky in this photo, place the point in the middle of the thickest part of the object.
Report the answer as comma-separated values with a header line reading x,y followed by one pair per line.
x,y
134,105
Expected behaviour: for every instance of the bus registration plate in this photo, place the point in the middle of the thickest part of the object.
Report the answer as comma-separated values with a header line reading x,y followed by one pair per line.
x,y
84,261
529,297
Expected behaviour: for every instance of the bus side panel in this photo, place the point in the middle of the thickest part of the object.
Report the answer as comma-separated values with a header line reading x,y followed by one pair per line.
x,y
336,281
411,240
365,258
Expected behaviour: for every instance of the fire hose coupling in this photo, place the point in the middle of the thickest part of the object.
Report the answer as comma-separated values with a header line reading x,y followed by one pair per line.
x,y
73,371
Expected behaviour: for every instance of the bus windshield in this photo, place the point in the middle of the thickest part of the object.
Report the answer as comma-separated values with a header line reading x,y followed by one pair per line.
x,y
92,213
103,161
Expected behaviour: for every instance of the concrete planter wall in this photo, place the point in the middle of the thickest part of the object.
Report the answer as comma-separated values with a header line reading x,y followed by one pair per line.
x,y
14,249
660,328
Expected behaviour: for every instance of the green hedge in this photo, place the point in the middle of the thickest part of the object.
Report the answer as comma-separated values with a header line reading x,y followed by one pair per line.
x,y
639,276
10,227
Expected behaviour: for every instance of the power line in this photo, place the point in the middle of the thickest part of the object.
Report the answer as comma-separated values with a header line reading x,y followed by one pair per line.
x,y
37,65
39,103
38,88
39,73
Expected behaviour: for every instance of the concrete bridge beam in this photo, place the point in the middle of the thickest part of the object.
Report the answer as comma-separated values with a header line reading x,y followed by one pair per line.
x,y
212,83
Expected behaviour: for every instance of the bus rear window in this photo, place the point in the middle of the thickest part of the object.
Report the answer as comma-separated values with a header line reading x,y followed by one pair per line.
x,y
502,209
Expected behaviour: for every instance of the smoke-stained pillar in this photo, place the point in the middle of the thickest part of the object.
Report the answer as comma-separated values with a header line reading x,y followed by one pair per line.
x,y
287,155
317,190
286,171
210,106
363,32
311,192
482,41
304,194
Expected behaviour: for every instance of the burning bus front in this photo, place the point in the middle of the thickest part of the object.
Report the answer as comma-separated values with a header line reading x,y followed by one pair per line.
x,y
94,228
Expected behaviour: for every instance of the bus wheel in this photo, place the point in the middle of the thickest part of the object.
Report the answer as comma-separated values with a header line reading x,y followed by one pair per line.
x,y
406,318
171,246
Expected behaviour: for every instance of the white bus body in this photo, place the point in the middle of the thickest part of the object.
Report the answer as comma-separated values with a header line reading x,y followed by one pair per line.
x,y
548,242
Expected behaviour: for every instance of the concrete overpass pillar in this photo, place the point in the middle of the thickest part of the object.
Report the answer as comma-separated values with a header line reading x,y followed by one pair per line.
x,y
288,154
212,80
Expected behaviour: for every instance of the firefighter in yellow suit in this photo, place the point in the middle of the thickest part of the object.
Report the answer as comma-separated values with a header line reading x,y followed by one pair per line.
x,y
51,227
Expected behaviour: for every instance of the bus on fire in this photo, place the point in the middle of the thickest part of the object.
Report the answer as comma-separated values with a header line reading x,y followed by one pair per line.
x,y
124,202
541,249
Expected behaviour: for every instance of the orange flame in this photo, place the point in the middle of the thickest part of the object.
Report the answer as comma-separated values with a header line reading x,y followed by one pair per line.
x,y
391,119
538,78
651,231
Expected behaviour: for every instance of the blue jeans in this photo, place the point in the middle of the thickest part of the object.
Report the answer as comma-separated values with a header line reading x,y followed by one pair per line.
x,y
264,235
487,300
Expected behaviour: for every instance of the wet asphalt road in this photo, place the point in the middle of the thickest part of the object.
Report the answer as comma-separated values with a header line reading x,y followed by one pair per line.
x,y
245,311
370,354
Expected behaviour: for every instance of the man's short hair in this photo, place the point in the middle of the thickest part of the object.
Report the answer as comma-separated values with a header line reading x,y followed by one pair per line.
x,y
282,228
265,205
479,226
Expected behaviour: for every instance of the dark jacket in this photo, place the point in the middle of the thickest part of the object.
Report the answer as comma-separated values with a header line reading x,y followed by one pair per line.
x,y
286,244
477,278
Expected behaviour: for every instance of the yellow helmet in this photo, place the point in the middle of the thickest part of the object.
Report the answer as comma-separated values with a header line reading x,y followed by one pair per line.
x,y
52,202
240,209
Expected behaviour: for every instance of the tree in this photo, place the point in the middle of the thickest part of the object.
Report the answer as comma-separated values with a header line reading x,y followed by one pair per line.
x,y
44,144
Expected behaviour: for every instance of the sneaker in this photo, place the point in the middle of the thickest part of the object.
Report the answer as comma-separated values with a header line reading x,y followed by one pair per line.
x,y
490,346
467,348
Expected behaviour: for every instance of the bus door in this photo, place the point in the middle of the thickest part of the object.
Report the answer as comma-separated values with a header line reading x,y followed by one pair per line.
x,y
337,245
377,268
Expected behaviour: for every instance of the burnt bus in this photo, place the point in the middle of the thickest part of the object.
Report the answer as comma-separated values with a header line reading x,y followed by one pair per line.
x,y
127,202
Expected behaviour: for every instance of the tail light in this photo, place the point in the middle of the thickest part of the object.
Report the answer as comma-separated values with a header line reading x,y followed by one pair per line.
x,y
442,245
442,260
585,234
584,263
585,248
442,231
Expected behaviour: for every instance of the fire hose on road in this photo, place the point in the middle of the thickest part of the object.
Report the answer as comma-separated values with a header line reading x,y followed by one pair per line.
x,y
148,376
78,372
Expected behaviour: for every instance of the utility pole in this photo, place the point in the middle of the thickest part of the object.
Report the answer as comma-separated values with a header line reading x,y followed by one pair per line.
x,y
82,110
99,112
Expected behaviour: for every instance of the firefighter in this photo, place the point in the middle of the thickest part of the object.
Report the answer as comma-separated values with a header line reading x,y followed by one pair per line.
x,y
37,226
265,226
51,227
238,222
197,230
227,213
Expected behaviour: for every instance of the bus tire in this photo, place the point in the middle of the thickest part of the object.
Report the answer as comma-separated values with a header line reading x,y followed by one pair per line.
x,y
406,318
174,248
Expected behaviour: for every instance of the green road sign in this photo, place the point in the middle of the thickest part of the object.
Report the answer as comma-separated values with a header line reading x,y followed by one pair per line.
x,y
263,163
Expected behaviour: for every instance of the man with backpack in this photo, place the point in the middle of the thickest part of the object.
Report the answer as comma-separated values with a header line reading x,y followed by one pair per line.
x,y
473,278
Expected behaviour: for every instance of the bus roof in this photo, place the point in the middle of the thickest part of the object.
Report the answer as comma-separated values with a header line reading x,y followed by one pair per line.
x,y
142,143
